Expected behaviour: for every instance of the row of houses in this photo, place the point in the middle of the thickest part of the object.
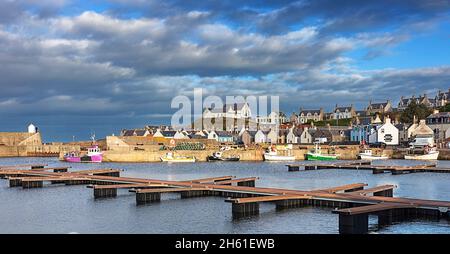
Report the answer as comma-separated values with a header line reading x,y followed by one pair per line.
x,y
419,134
386,132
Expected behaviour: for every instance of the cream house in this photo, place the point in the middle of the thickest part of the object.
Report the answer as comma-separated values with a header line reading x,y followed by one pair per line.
x,y
423,135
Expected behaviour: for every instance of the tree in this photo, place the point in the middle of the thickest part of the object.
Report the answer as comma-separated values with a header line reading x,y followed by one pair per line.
x,y
420,111
445,108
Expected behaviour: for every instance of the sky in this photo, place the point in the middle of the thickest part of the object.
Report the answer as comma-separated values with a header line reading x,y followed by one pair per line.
x,y
78,67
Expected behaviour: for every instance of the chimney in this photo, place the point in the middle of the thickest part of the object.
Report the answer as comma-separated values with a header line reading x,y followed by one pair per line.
x,y
414,119
387,119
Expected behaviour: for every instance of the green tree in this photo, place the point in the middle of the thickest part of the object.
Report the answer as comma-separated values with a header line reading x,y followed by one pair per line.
x,y
420,111
445,108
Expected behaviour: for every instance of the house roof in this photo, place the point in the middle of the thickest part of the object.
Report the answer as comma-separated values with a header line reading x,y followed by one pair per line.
x,y
322,133
134,132
168,133
251,133
343,109
195,136
423,129
439,115
224,134
310,111
283,132
379,105
128,133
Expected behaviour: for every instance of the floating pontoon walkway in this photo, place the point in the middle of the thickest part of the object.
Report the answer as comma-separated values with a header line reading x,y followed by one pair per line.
x,y
367,165
351,202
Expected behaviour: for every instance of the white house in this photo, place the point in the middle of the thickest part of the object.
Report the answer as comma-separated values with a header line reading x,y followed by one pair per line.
x,y
386,133
181,135
274,118
236,110
344,112
213,135
261,136
164,134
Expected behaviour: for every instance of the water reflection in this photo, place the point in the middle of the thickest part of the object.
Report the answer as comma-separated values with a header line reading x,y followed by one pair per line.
x,y
64,209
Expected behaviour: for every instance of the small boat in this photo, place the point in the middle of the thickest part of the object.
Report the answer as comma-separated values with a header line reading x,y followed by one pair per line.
x,y
94,154
169,157
428,154
217,156
367,155
272,154
317,155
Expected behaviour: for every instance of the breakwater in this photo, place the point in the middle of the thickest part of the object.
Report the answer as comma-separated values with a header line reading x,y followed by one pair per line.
x,y
256,154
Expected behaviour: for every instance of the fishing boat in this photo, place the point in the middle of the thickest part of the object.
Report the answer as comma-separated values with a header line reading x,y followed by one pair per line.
x,y
427,154
218,156
317,155
272,154
94,154
368,155
169,157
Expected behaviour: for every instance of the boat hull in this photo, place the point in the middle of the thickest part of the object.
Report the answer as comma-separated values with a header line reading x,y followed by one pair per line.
x,y
320,157
431,156
371,157
268,157
84,159
177,159
212,158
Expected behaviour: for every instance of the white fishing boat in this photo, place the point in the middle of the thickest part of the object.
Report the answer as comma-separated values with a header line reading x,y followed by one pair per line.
x,y
428,154
169,157
368,155
272,154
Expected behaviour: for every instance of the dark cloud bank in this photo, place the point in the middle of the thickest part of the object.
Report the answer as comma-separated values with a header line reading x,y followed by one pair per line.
x,y
101,71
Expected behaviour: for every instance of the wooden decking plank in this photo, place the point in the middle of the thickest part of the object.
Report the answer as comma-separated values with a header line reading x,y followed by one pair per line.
x,y
237,180
373,208
267,198
169,190
374,189
211,179
124,186
343,187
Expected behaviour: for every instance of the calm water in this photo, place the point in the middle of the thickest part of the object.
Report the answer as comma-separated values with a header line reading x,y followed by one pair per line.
x,y
66,209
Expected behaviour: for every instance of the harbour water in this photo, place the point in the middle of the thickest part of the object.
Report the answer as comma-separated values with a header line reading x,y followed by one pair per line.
x,y
73,209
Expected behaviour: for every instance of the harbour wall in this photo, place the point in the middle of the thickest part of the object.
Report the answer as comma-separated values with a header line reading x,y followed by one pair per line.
x,y
154,155
36,150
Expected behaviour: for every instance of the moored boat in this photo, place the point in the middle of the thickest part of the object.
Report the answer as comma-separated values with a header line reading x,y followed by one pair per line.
x,y
272,154
428,154
218,156
368,155
169,157
94,154
317,155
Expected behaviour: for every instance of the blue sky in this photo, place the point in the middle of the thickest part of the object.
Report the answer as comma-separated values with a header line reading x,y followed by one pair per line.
x,y
76,67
